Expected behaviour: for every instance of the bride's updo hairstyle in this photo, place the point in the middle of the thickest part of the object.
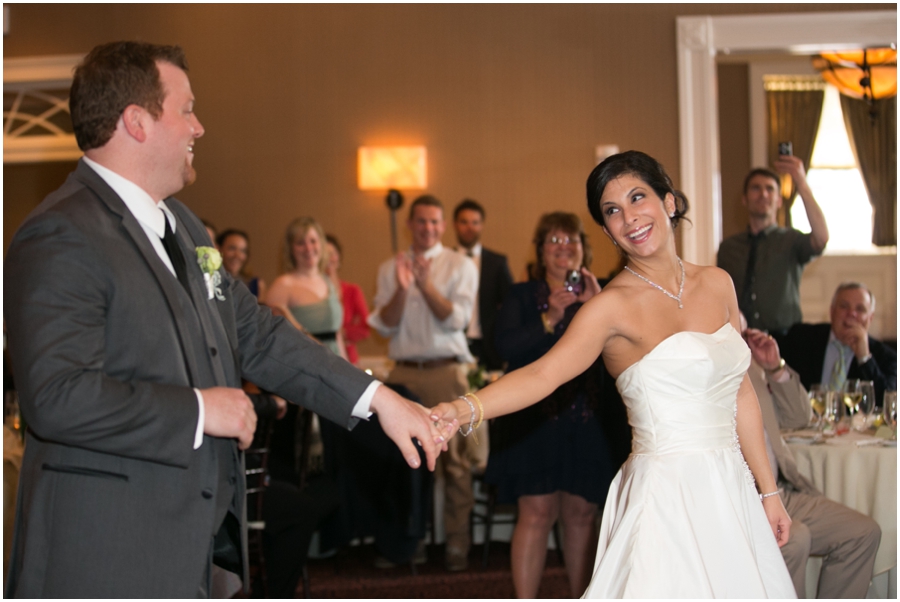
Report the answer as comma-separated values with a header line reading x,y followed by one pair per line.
x,y
641,166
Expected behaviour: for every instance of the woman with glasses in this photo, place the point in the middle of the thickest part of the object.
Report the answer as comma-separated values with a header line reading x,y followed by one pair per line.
x,y
551,458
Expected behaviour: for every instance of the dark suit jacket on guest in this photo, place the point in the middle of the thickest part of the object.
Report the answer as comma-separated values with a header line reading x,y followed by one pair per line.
x,y
804,346
106,346
494,283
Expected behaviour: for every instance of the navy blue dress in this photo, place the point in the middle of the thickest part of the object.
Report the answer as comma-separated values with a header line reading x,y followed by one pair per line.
x,y
572,441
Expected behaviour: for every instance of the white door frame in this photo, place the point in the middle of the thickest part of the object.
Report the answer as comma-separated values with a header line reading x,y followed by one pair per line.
x,y
699,40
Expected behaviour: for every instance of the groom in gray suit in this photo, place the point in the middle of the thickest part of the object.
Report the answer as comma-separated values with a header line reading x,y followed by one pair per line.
x,y
129,343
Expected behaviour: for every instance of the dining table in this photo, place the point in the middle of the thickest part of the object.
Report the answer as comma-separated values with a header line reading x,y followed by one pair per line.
x,y
858,470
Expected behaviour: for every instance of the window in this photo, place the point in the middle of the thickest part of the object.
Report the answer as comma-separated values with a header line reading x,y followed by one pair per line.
x,y
837,185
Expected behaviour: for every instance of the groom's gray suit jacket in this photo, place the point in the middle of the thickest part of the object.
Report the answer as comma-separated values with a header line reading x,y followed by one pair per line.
x,y
106,346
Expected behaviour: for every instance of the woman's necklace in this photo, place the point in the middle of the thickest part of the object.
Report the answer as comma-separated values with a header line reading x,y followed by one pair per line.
x,y
661,289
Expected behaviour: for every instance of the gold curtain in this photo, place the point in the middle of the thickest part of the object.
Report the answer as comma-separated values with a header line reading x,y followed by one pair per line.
x,y
874,144
794,104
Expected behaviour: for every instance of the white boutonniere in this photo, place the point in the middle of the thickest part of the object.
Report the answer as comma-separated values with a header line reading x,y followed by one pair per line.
x,y
210,261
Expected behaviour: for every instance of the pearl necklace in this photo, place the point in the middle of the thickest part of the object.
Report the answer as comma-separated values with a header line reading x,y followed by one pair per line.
x,y
661,289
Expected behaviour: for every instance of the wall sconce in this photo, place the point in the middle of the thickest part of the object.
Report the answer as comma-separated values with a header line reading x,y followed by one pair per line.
x,y
391,168
868,74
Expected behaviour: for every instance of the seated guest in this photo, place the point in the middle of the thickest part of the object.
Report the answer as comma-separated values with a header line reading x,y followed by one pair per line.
x,y
354,328
846,539
832,353
234,245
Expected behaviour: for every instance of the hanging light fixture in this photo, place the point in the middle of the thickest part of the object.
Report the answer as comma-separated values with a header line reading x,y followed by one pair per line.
x,y
869,74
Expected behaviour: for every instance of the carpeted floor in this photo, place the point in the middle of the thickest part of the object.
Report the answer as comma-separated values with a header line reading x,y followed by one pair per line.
x,y
351,574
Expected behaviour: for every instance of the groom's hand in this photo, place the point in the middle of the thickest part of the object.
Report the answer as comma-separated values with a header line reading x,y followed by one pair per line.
x,y
229,413
403,420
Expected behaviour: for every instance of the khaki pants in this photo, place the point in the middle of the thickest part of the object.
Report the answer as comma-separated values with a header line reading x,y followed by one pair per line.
x,y
847,539
434,386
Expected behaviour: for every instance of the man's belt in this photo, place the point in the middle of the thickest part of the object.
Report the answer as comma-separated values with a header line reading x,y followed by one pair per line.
x,y
325,336
425,364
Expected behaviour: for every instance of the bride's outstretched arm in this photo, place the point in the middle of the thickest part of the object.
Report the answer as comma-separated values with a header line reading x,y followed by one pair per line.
x,y
578,348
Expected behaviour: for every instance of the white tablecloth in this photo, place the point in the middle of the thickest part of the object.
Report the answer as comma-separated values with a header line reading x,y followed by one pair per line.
x,y
863,478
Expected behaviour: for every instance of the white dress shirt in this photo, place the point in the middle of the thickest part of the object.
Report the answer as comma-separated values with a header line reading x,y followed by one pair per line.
x,y
147,212
420,335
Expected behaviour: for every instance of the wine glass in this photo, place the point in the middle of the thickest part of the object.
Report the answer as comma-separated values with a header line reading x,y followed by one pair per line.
x,y
890,411
852,397
817,403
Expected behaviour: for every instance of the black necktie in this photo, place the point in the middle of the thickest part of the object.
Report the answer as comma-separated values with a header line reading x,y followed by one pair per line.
x,y
747,302
171,245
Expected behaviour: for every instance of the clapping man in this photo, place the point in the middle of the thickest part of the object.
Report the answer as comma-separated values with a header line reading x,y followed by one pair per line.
x,y
423,303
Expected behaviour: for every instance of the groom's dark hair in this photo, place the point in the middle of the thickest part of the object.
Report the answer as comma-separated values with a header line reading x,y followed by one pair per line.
x,y
111,77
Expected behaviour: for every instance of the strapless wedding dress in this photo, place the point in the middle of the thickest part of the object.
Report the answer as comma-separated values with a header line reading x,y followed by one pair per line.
x,y
683,518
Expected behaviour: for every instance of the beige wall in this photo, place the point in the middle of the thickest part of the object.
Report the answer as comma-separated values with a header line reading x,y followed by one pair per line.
x,y
734,143
510,101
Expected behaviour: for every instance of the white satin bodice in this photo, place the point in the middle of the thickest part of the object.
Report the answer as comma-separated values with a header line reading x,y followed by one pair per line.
x,y
681,396
683,518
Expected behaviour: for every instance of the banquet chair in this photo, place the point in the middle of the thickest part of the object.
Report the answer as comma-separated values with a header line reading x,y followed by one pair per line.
x,y
257,475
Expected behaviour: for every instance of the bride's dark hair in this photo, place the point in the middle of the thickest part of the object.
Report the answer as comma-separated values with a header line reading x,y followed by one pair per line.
x,y
640,165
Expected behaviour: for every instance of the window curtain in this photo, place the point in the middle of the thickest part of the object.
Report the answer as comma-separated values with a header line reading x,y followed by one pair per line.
x,y
794,104
874,143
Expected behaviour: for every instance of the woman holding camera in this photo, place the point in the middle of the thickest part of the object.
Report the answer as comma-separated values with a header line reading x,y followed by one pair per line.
x,y
552,458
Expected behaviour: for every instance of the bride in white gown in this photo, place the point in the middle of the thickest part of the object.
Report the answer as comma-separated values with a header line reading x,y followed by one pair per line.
x,y
683,518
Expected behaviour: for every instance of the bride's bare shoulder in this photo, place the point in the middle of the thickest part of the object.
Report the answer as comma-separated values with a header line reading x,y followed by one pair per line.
x,y
615,293
613,306
710,276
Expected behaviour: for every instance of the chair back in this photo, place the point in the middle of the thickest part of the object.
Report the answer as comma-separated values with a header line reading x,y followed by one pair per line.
x,y
256,460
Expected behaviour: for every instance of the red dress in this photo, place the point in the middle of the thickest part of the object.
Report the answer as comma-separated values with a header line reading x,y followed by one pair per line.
x,y
355,315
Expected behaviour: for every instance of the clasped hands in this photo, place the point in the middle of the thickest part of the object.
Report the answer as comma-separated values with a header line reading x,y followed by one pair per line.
x,y
228,413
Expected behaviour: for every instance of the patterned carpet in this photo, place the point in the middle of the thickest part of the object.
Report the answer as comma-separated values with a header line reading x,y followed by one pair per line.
x,y
351,574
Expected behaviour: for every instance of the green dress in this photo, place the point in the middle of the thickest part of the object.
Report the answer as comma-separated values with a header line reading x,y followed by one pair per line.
x,y
322,319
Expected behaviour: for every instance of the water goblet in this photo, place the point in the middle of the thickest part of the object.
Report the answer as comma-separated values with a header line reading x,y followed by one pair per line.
x,y
834,411
866,404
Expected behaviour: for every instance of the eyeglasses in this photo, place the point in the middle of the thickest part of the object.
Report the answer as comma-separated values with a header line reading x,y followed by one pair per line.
x,y
563,240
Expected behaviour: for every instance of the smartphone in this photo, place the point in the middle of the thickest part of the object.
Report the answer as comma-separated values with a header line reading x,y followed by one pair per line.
x,y
574,283
785,148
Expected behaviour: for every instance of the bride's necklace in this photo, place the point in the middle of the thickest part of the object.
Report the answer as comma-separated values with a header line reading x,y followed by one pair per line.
x,y
661,289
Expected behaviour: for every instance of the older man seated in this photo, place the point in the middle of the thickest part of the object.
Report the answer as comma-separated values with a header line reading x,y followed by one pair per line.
x,y
846,539
833,353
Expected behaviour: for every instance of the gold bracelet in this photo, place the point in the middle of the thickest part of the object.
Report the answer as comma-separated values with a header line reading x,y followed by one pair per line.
x,y
547,326
480,409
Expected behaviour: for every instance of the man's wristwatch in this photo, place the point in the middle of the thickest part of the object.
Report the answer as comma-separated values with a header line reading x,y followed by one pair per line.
x,y
860,362
778,368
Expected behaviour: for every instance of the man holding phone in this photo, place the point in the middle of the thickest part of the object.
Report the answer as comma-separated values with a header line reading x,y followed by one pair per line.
x,y
766,261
